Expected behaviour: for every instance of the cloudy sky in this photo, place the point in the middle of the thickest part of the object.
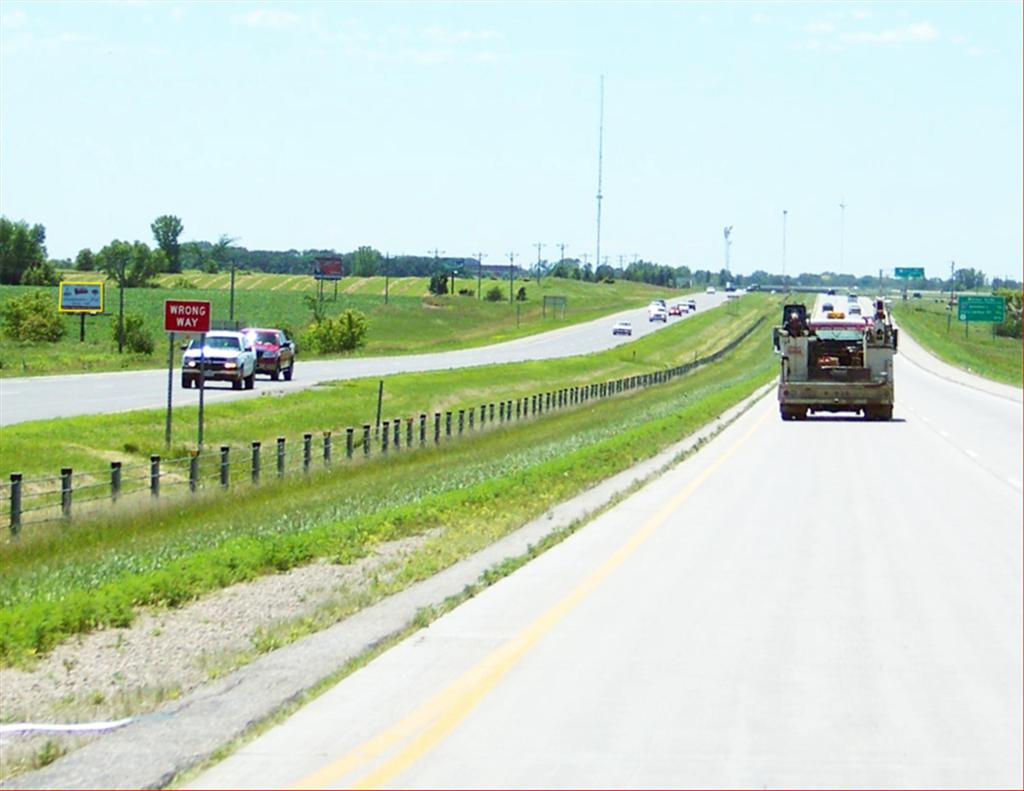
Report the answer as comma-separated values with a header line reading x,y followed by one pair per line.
x,y
474,127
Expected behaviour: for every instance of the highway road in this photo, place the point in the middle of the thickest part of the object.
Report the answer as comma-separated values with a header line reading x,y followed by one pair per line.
x,y
45,397
823,603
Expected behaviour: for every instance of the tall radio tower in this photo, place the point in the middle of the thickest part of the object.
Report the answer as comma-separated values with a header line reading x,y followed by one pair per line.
x,y
600,161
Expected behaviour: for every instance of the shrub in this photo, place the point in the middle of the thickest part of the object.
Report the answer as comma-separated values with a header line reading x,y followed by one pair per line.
x,y
1011,326
495,294
343,333
136,337
41,274
521,294
32,317
183,282
439,283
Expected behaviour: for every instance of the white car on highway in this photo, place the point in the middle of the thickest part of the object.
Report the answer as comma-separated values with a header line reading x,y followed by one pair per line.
x,y
226,356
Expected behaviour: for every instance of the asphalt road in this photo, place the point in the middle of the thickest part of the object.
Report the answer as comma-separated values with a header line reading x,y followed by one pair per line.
x,y
822,603
45,397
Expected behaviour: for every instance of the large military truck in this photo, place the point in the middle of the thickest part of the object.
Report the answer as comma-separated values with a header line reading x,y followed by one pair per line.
x,y
836,361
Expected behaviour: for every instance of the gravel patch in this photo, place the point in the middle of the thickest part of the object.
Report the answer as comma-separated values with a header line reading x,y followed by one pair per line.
x,y
166,653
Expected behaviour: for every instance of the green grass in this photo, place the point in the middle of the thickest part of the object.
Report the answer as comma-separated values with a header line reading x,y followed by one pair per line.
x,y
411,322
56,582
928,322
88,443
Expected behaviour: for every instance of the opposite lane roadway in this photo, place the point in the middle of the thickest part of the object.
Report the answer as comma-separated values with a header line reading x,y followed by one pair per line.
x,y
46,397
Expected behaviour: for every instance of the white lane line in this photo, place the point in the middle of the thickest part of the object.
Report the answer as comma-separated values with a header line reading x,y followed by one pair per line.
x,y
1015,484
944,433
971,453
926,420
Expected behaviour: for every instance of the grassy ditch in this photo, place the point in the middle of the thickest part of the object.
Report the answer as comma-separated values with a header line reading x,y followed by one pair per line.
x,y
411,322
88,443
59,582
994,357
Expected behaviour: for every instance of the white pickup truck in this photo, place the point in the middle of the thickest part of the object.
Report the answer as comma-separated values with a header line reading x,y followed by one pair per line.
x,y
227,356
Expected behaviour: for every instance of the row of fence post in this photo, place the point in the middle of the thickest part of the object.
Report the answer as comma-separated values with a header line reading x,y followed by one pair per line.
x,y
390,435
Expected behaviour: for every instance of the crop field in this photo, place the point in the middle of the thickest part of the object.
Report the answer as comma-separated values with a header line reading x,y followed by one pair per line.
x,y
59,581
410,322
977,350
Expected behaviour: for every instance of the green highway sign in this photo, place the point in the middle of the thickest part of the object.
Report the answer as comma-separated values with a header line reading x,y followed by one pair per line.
x,y
981,309
910,271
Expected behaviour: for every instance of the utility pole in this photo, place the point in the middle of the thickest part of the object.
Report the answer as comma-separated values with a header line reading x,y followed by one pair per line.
x,y
387,274
561,251
479,272
539,246
727,232
621,256
511,275
785,213
231,307
636,257
842,233
600,163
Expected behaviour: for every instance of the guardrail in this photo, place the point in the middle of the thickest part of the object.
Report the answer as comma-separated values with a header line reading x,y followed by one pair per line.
x,y
58,498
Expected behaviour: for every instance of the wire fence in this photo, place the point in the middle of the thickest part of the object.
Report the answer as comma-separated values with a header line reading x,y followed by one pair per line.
x,y
58,498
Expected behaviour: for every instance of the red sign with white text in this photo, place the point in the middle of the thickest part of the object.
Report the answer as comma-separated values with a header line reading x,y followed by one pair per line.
x,y
186,315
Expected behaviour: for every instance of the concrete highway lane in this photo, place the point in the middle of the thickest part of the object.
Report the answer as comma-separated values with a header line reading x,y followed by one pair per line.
x,y
823,603
45,397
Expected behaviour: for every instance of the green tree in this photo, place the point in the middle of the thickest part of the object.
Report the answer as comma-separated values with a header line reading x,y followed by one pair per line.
x,y
220,253
365,262
495,294
166,230
21,247
130,265
85,261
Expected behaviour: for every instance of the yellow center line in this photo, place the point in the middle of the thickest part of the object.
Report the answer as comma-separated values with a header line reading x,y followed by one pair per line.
x,y
441,714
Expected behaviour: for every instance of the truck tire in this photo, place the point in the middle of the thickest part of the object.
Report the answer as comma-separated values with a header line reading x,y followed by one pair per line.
x,y
289,371
276,373
186,382
236,384
250,381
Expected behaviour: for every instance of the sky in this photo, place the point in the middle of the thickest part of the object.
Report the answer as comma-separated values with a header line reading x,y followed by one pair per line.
x,y
473,127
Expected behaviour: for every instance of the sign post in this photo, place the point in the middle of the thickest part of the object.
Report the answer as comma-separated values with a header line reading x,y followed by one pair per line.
x,y
81,298
186,315
909,273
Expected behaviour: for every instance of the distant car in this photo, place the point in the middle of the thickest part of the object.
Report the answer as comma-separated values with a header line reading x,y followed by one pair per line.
x,y
710,290
917,295
854,309
827,307
831,292
692,304
275,354
227,356
658,314
851,297
675,310
622,328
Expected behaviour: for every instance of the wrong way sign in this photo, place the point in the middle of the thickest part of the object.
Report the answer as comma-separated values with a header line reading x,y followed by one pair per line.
x,y
186,315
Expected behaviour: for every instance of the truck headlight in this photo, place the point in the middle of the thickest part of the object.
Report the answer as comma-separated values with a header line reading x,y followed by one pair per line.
x,y
229,366
190,364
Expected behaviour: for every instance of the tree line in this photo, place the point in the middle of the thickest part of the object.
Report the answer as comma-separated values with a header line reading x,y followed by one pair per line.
x,y
23,260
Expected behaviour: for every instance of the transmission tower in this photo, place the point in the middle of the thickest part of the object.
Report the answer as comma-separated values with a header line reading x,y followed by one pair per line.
x,y
600,164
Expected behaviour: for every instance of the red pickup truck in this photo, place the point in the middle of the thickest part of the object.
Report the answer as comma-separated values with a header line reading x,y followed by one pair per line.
x,y
275,353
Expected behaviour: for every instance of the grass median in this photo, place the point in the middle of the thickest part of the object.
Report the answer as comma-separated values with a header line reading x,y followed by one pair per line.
x,y
64,581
